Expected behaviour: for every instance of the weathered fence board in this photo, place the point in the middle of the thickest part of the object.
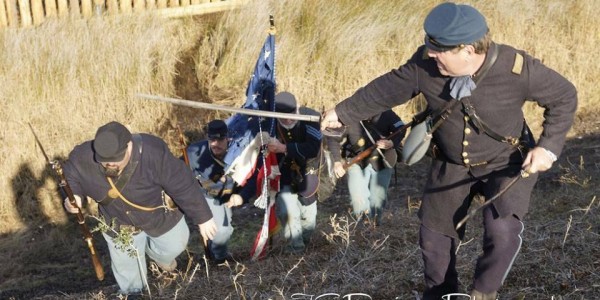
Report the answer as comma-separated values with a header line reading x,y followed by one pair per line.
x,y
51,11
37,12
27,13
3,19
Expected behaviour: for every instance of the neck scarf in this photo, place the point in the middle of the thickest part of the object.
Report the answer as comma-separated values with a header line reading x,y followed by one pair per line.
x,y
461,87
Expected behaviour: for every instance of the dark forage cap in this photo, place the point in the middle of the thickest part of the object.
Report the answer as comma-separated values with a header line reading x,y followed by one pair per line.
x,y
216,129
285,102
449,25
110,143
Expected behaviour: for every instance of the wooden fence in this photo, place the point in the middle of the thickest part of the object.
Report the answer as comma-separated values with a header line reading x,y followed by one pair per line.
x,y
27,13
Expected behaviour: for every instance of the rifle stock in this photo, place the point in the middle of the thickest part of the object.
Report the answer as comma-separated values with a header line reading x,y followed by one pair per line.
x,y
80,219
365,153
64,185
359,157
183,146
418,118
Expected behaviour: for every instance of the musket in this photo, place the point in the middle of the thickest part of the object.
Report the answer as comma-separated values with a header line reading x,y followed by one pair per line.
x,y
186,159
418,118
56,166
387,164
365,153
523,174
244,111
183,145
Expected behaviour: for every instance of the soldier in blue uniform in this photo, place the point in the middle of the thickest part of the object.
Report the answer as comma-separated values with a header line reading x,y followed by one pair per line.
x,y
482,142
127,174
220,191
296,143
369,179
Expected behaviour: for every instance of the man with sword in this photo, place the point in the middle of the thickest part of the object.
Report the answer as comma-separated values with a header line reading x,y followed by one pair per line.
x,y
481,143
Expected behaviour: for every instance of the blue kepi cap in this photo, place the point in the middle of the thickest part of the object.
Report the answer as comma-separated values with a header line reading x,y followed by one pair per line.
x,y
449,25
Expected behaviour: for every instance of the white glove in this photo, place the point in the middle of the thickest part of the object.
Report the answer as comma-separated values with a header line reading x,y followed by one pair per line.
x,y
208,229
385,144
338,169
538,160
330,120
264,138
235,200
70,208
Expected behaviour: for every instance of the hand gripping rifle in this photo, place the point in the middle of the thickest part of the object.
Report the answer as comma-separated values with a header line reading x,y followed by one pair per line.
x,y
418,118
80,219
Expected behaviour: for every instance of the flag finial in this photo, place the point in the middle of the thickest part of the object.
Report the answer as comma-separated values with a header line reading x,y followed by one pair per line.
x,y
272,29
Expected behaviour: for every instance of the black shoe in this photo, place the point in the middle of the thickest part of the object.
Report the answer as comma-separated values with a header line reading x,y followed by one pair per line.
x,y
135,295
227,258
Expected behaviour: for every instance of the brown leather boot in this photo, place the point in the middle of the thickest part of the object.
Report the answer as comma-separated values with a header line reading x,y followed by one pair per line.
x,y
477,295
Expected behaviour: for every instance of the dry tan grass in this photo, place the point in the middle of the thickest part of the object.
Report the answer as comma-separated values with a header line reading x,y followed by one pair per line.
x,y
68,78
328,49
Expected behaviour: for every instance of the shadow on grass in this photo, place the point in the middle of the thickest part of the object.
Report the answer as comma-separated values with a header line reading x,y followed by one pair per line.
x,y
45,257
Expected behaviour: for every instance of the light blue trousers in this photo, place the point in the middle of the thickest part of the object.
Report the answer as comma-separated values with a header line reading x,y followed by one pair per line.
x,y
222,216
297,221
163,249
368,190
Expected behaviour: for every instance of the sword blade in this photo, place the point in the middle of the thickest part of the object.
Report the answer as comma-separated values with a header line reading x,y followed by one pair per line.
x,y
245,111
523,174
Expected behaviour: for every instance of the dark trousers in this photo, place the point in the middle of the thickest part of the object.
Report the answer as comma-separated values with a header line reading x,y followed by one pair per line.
x,y
501,243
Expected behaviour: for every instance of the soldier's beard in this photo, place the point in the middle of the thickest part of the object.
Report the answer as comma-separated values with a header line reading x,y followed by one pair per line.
x,y
112,172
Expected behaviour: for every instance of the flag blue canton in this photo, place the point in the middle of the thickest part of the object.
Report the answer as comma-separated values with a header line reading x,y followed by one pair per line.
x,y
260,95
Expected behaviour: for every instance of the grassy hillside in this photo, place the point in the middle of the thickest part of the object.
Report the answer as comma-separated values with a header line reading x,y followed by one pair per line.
x,y
66,78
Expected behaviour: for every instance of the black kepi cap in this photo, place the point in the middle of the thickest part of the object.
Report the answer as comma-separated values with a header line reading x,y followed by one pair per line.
x,y
216,129
285,102
110,143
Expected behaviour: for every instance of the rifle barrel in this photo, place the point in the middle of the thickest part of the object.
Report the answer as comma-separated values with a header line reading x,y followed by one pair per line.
x,y
80,219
